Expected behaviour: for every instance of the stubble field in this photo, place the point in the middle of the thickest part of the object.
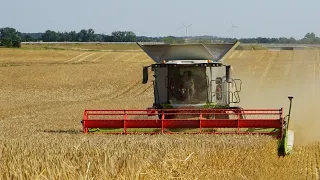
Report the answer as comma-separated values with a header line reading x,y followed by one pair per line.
x,y
44,92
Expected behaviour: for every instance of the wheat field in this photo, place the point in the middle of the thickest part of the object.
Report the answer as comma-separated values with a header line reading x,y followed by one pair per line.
x,y
44,92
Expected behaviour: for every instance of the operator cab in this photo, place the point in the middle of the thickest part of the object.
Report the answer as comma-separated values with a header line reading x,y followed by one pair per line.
x,y
190,75
187,85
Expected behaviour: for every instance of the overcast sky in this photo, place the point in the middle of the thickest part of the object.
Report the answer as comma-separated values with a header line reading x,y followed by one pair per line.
x,y
268,18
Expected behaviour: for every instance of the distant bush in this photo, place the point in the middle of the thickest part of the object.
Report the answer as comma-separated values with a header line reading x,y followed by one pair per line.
x,y
6,42
9,37
16,44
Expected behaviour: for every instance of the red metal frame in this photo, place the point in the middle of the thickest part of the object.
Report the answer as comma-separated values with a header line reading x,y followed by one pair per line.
x,y
240,118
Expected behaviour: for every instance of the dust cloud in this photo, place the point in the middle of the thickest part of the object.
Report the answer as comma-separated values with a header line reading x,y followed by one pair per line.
x,y
268,82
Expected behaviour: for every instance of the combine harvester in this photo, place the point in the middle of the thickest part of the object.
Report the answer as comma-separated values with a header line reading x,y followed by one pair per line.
x,y
194,92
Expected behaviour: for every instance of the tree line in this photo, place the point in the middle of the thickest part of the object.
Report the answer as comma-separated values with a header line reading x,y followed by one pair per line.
x,y
10,37
309,38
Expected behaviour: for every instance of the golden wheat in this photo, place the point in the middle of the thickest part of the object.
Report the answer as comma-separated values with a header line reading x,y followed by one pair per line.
x,y
96,47
44,93
53,156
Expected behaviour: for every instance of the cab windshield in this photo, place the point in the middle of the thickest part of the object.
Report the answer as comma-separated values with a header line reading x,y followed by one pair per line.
x,y
187,85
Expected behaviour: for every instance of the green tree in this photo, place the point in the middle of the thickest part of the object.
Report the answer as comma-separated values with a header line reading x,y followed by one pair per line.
x,y
118,36
123,36
173,40
16,43
107,38
50,36
6,42
9,37
98,38
310,38
86,35
130,36
169,40
27,38
73,36
204,41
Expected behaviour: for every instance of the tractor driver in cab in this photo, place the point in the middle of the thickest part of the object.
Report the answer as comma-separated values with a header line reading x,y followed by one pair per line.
x,y
188,89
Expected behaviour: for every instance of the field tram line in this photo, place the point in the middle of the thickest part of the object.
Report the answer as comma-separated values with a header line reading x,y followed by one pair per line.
x,y
145,89
267,69
257,63
240,55
119,57
131,89
132,57
122,93
289,65
317,67
139,90
314,78
312,66
80,58
288,69
101,56
76,57
233,54
84,58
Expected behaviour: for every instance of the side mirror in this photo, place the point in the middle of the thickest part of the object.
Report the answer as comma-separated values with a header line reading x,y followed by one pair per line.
x,y
228,74
145,74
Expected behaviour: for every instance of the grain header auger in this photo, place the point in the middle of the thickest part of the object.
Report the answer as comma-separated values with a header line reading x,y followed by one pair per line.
x,y
194,92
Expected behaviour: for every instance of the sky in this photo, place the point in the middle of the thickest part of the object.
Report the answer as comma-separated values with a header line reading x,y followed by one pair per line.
x,y
254,18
